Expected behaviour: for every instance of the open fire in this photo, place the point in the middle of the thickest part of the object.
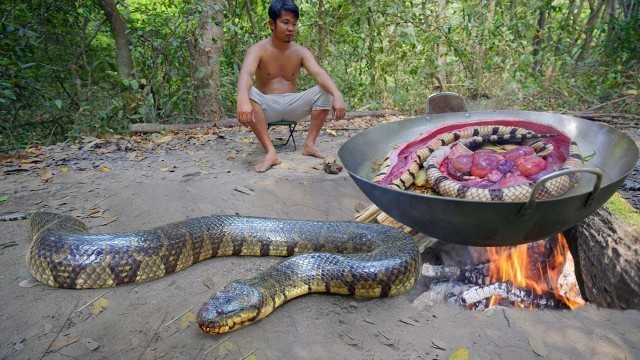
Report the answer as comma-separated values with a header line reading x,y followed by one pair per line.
x,y
537,275
544,269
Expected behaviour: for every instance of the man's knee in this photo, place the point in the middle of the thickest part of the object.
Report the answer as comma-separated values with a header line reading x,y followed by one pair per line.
x,y
323,100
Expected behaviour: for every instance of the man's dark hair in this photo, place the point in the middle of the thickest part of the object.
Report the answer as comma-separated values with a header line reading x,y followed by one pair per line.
x,y
278,6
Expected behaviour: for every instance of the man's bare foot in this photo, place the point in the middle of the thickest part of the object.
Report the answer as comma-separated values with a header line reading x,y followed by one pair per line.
x,y
270,160
311,150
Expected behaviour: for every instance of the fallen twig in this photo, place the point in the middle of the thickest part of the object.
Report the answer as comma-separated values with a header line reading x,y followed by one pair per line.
x,y
177,317
61,327
216,345
92,301
609,102
249,354
152,336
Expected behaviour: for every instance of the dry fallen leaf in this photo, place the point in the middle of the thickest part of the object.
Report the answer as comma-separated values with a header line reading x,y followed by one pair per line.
x,y
59,344
347,339
438,344
244,190
108,219
537,346
64,170
164,139
34,150
99,305
31,160
460,354
111,148
29,283
105,169
187,319
208,282
95,213
90,344
46,175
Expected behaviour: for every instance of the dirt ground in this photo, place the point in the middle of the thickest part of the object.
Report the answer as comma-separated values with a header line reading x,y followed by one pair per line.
x,y
128,184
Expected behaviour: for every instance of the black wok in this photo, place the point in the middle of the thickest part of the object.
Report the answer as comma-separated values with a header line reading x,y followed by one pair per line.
x,y
479,223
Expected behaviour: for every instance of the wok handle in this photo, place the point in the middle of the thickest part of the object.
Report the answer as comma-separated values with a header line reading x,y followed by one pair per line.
x,y
528,208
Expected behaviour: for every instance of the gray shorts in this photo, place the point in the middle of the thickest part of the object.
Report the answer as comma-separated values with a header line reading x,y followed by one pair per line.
x,y
292,106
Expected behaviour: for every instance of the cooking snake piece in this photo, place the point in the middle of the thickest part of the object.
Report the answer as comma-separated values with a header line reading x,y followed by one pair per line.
x,y
474,135
350,258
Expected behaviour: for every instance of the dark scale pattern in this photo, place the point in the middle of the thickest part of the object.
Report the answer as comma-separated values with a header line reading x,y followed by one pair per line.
x,y
496,194
360,259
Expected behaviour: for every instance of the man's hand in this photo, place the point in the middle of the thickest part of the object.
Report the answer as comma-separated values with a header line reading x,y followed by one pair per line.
x,y
339,108
245,112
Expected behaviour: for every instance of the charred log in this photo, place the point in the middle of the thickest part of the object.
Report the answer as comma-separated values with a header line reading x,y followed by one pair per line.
x,y
434,273
607,260
477,274
478,297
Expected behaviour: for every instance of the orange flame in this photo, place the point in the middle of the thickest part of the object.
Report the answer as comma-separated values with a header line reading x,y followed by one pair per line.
x,y
514,264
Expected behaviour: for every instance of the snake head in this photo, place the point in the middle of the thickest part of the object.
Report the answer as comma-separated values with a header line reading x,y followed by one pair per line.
x,y
235,306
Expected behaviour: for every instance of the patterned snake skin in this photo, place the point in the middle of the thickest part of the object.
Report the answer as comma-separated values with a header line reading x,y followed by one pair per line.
x,y
446,186
350,258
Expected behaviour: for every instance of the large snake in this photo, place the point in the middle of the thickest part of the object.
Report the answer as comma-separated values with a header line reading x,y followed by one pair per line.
x,y
446,186
350,258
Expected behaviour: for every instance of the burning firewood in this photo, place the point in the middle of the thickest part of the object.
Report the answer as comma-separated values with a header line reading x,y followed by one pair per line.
x,y
478,297
537,275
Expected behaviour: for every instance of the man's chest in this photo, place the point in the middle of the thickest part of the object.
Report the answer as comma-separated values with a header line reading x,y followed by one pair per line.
x,y
275,66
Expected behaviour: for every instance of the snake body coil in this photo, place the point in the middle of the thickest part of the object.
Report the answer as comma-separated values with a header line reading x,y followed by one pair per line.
x,y
350,258
446,186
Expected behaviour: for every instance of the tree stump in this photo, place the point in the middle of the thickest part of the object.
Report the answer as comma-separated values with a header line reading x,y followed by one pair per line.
x,y
606,250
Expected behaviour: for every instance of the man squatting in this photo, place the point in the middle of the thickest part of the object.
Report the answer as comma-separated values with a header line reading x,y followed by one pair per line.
x,y
276,62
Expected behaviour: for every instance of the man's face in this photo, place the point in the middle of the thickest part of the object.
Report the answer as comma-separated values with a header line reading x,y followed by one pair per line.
x,y
285,27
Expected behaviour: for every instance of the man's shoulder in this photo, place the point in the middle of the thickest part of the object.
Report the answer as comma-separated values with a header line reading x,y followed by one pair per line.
x,y
299,47
262,44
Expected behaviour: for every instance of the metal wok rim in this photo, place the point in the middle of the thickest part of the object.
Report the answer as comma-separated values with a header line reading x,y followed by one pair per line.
x,y
569,193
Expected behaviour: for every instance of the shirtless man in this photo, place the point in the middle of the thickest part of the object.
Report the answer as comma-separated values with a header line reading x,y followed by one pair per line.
x,y
276,62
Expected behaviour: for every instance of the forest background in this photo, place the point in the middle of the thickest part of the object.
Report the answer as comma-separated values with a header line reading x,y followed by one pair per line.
x,y
76,68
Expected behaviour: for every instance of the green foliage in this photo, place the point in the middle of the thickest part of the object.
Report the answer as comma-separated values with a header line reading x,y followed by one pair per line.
x,y
59,79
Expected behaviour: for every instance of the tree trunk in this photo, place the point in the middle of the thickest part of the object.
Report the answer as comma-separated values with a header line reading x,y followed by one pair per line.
x,y
585,50
575,26
206,50
322,29
442,76
538,38
247,5
119,30
371,54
